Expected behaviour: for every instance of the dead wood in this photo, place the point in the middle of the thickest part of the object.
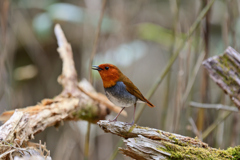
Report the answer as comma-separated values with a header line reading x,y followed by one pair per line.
x,y
143,143
225,71
76,101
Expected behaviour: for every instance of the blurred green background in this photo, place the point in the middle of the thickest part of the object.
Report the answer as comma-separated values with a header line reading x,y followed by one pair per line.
x,y
138,36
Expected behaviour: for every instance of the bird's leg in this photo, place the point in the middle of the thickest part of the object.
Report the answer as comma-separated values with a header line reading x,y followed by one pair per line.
x,y
133,115
115,119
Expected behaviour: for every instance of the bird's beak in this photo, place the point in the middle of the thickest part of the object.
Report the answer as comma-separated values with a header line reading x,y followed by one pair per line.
x,y
96,68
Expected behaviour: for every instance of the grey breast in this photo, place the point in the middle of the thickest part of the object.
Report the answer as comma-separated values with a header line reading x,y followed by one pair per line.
x,y
120,96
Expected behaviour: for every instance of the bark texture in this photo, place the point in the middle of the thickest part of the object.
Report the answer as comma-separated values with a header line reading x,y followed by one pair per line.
x,y
143,143
225,71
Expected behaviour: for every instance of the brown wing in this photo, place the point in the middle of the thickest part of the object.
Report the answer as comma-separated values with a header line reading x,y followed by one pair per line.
x,y
131,88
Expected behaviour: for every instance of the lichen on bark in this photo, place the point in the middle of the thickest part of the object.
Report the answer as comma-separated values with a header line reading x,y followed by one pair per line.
x,y
225,71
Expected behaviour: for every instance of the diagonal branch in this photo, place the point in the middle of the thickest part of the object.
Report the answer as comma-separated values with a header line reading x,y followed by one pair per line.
x,y
224,70
76,101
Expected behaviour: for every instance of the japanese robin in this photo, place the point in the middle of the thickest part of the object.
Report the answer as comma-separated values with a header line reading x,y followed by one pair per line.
x,y
119,88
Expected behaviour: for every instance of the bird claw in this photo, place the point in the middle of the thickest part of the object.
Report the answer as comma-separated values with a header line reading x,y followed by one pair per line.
x,y
130,123
114,120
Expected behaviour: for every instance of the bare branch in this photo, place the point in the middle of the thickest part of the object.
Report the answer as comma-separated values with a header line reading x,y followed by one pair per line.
x,y
69,75
214,106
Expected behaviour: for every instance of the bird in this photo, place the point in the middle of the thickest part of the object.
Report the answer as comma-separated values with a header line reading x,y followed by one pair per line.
x,y
119,89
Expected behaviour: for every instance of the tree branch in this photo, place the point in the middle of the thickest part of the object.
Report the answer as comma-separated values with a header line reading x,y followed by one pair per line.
x,y
224,70
214,106
76,101
145,143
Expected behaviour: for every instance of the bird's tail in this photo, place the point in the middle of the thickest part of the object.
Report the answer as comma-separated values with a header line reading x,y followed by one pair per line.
x,y
149,103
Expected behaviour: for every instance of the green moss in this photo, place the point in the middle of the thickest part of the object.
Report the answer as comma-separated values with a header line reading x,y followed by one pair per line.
x,y
131,129
88,113
235,152
223,67
145,128
159,132
196,138
229,63
192,153
173,137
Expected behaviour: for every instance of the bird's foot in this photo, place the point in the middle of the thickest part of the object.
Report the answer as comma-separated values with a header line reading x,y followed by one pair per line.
x,y
114,120
131,123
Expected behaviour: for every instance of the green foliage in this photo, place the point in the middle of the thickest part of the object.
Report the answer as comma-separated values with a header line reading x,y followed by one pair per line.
x,y
192,153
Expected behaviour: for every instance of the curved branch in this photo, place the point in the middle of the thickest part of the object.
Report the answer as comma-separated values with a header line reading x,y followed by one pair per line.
x,y
76,101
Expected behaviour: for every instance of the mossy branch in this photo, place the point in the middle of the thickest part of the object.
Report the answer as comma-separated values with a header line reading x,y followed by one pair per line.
x,y
145,143
224,70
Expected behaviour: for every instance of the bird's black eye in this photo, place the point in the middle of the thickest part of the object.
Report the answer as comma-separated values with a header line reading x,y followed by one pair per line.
x,y
106,68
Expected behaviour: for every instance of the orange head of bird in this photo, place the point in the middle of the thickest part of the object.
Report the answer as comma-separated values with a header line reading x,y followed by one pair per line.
x,y
109,73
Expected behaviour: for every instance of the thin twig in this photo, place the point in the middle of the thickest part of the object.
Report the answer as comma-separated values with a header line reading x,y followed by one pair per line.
x,y
193,77
194,127
96,40
205,95
214,125
214,106
86,152
114,154
87,138
234,15
179,90
175,5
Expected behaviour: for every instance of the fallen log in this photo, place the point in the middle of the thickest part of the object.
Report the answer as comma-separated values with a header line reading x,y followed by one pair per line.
x,y
143,143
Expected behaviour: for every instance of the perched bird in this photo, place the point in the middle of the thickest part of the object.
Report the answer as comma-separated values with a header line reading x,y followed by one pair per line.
x,y
119,89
